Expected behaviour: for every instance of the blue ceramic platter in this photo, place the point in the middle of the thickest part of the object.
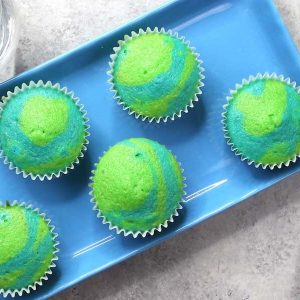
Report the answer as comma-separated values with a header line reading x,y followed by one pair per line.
x,y
235,39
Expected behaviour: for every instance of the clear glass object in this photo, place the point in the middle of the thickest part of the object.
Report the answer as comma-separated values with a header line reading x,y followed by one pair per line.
x,y
8,38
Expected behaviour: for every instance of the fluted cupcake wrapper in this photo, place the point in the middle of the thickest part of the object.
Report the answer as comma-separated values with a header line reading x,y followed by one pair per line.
x,y
224,118
41,281
80,106
137,233
127,108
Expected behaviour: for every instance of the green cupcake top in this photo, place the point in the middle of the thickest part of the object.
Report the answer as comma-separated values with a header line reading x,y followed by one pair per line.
x,y
27,247
156,75
262,121
42,130
137,185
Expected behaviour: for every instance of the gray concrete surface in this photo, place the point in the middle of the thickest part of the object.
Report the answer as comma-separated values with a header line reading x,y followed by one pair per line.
x,y
249,252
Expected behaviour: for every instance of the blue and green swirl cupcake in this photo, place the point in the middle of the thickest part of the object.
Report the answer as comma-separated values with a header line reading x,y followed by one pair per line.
x,y
155,74
137,187
28,249
43,130
262,121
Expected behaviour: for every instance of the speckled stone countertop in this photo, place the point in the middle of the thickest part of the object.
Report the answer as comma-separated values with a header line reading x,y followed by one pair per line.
x,y
249,252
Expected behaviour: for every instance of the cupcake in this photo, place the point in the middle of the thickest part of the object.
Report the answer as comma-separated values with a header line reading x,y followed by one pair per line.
x,y
137,187
43,130
28,249
262,121
155,74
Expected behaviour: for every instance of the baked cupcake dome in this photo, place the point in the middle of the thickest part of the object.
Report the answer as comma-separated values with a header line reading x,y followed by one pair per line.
x,y
155,74
262,120
43,130
137,186
28,249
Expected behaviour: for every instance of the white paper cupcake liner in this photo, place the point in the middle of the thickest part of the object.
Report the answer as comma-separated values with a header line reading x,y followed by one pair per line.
x,y
76,100
251,79
44,278
137,233
118,98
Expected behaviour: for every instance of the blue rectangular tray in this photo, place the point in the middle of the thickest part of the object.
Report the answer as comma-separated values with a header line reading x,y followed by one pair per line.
x,y
235,39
